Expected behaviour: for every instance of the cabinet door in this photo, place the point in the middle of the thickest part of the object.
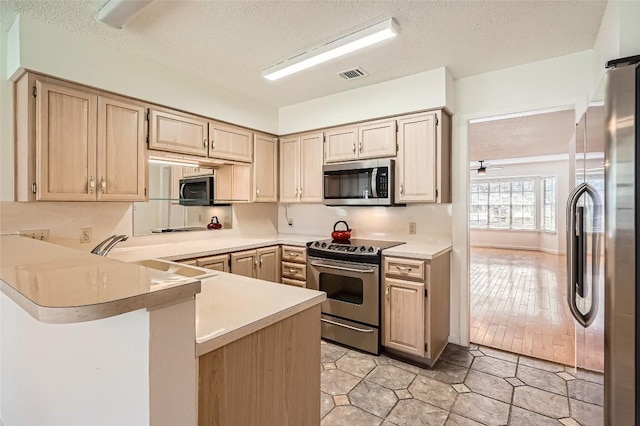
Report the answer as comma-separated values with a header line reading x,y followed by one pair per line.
x,y
244,263
311,168
177,132
241,189
122,162
230,142
196,171
404,316
341,144
265,168
217,263
289,169
65,143
268,264
377,139
416,165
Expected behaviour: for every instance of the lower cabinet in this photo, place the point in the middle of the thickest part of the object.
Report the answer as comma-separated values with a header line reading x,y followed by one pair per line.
x,y
261,263
217,263
416,306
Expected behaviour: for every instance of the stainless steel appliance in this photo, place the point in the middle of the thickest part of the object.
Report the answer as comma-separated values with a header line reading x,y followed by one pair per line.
x,y
622,160
197,191
349,272
360,183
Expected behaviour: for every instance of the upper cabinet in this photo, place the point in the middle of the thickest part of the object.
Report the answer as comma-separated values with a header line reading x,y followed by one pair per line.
x,y
301,168
177,132
265,168
423,165
230,142
372,139
74,144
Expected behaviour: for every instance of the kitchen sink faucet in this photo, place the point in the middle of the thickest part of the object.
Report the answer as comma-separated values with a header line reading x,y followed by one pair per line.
x,y
105,246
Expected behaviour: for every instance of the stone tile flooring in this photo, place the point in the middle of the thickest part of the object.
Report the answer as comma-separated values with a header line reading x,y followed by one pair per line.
x,y
467,386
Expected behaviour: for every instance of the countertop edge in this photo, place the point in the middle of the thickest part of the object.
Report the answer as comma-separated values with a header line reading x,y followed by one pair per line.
x,y
77,314
397,252
243,247
217,342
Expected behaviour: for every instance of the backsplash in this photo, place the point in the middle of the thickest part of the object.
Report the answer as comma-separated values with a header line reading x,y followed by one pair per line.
x,y
433,221
64,220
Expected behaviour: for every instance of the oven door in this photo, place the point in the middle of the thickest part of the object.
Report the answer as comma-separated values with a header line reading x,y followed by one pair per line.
x,y
353,289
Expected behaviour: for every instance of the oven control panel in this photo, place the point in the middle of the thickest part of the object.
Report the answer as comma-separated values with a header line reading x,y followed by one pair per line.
x,y
344,248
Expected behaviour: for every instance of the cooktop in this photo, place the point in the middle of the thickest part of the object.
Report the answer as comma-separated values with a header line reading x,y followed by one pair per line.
x,y
353,246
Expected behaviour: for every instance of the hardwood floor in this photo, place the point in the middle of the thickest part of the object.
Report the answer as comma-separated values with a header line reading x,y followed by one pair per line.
x,y
518,304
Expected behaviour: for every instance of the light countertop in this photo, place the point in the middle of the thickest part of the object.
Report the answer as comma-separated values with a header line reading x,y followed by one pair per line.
x,y
55,284
207,247
424,251
232,306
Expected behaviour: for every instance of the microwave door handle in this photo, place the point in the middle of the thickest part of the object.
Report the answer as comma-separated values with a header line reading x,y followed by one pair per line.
x,y
374,182
182,185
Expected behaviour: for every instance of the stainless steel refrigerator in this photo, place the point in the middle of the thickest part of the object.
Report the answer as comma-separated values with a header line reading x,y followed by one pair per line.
x,y
622,160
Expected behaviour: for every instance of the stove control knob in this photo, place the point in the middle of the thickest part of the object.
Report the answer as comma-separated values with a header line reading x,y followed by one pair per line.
x,y
363,248
324,245
371,249
317,244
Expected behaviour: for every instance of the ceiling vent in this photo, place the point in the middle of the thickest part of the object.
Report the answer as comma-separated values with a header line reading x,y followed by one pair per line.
x,y
353,73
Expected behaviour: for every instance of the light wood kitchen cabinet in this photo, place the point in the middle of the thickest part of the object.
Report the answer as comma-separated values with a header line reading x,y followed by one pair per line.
x,y
265,168
233,183
196,171
423,166
301,168
244,263
373,139
294,266
230,142
261,263
76,144
177,132
217,263
416,306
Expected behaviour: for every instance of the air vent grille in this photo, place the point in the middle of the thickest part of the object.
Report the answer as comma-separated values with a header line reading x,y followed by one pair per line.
x,y
353,73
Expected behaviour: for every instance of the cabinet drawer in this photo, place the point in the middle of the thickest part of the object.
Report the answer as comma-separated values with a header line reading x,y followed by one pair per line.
x,y
296,271
294,254
296,283
404,268
218,263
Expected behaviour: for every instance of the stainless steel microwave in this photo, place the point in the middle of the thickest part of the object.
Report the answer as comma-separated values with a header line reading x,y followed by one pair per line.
x,y
361,183
197,191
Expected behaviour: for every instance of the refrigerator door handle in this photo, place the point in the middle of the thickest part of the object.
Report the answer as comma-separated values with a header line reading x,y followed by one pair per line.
x,y
577,253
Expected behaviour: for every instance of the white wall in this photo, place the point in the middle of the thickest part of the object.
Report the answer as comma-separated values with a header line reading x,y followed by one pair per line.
x,y
531,240
559,82
94,372
433,221
420,91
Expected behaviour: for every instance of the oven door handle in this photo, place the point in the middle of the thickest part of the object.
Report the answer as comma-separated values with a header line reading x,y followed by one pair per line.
x,y
342,268
350,327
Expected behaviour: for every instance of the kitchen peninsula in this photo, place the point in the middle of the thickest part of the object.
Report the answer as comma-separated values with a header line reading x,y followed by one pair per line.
x,y
87,339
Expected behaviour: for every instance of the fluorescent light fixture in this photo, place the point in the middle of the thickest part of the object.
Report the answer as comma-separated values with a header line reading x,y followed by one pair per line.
x,y
116,13
334,49
174,162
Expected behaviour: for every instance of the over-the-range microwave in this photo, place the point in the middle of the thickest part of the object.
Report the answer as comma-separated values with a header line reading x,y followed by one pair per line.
x,y
197,191
359,183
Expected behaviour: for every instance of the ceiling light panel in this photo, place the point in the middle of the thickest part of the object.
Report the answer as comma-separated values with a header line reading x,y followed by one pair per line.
x,y
116,13
374,34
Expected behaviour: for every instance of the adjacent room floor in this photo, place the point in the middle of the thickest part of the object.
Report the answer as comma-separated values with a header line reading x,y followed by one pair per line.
x,y
518,304
467,386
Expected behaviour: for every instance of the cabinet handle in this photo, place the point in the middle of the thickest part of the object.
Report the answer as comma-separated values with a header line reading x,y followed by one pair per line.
x,y
255,263
296,192
103,184
403,268
293,254
213,144
386,292
354,147
360,147
257,191
402,189
293,271
92,184
205,143
300,192
260,261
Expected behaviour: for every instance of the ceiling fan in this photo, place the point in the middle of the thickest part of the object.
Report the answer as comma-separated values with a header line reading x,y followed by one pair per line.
x,y
482,169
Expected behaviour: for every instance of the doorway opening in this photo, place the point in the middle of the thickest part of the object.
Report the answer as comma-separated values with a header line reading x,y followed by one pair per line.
x,y
522,170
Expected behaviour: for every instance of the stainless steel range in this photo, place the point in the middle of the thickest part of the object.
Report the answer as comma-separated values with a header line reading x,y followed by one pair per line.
x,y
349,272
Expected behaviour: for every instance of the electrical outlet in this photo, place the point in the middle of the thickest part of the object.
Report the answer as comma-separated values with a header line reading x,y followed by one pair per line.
x,y
36,234
290,221
85,235
412,227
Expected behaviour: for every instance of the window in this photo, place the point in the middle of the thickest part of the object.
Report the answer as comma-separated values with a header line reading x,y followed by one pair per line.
x,y
548,204
503,204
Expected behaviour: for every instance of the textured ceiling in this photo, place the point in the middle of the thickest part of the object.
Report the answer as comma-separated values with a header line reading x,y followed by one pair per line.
x,y
230,42
529,136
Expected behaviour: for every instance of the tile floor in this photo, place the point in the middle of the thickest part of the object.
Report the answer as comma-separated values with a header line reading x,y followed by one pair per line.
x,y
467,386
